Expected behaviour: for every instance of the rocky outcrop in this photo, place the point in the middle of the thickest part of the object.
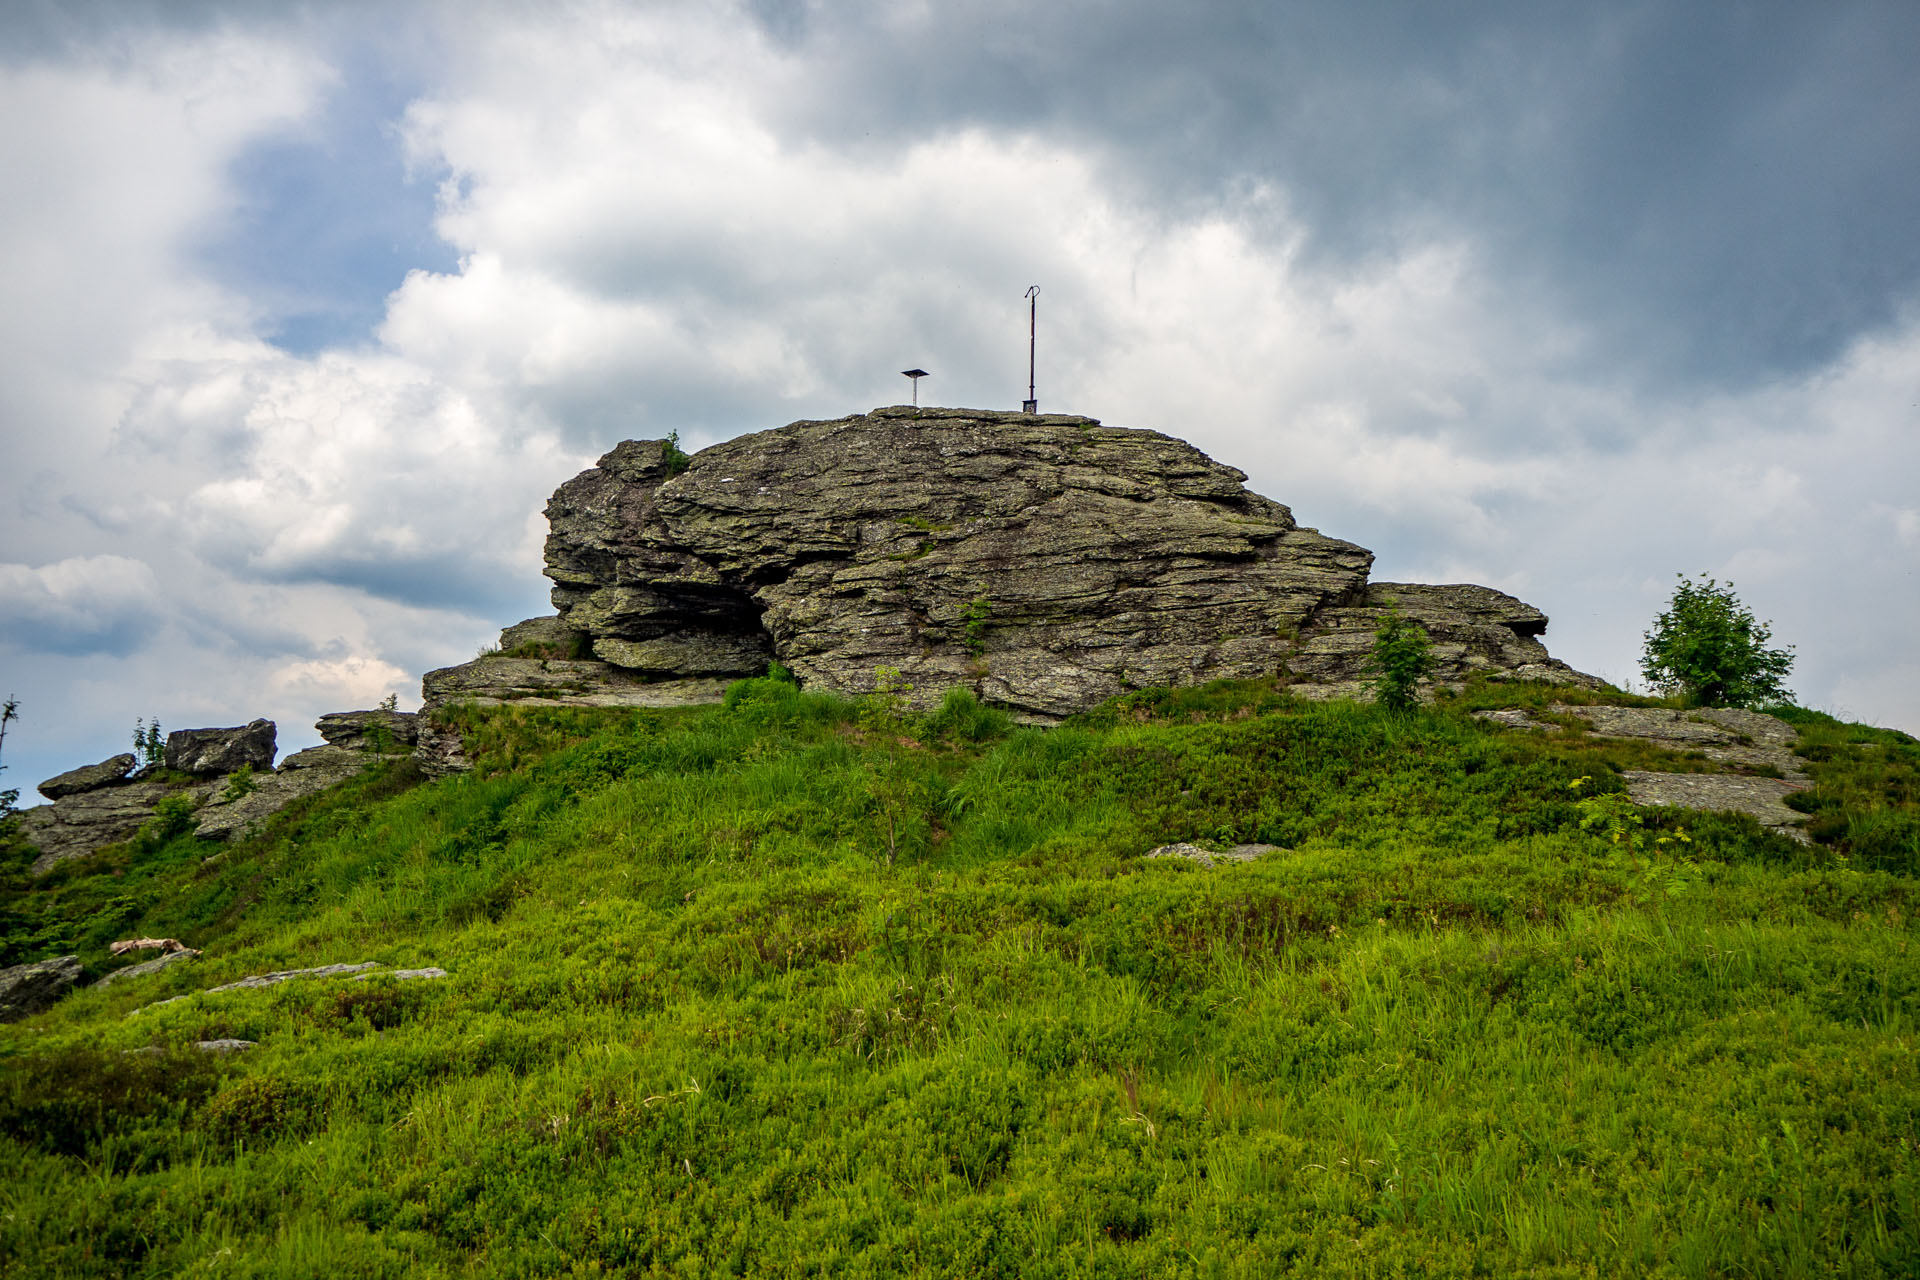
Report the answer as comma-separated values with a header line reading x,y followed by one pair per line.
x,y
380,730
90,777
26,989
1047,561
77,825
497,681
235,788
1474,630
211,752
145,968
544,638
1743,742
554,682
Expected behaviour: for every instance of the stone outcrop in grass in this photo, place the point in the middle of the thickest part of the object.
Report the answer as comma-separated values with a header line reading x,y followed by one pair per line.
x,y
26,989
1046,561
227,775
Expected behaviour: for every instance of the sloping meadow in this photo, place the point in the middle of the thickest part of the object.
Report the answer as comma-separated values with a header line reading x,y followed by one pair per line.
x,y
801,986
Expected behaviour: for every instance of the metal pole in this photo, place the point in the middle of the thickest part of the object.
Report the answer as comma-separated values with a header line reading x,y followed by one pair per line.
x,y
1033,312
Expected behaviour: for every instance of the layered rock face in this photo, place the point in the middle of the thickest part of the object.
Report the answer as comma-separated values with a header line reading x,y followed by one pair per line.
x,y
1046,561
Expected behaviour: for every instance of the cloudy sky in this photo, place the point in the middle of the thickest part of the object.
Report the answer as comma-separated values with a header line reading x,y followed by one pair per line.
x,y
306,310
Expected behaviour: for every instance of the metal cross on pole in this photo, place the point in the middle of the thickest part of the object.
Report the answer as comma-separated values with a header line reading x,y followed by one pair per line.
x,y
1032,405
916,375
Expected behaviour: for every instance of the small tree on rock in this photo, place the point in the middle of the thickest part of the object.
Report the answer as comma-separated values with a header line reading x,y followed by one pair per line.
x,y
1708,649
1402,658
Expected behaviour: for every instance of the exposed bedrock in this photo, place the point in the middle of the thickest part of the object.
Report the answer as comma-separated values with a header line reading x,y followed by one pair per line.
x,y
1047,561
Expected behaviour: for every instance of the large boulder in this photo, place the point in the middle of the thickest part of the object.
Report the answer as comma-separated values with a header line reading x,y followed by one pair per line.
x,y
89,777
215,751
77,825
1047,561
377,730
26,989
548,637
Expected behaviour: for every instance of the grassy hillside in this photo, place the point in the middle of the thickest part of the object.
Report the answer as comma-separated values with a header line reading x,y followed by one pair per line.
x,y
795,986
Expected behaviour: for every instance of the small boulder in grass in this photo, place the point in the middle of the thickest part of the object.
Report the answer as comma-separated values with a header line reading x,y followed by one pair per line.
x,y
26,989
1210,857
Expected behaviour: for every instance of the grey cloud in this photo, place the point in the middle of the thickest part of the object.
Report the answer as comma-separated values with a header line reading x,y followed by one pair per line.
x,y
1717,191
83,605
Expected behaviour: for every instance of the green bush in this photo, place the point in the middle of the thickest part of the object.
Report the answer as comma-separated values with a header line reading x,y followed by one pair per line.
x,y
1402,658
1708,649
240,782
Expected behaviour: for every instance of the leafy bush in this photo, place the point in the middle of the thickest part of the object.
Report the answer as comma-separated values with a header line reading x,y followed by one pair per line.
x,y
676,458
1708,649
1402,658
240,783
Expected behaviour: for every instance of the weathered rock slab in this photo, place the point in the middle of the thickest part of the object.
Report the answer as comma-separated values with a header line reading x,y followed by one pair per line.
x,y
27,989
548,637
166,961
1474,631
1211,857
1747,739
1762,799
77,825
88,777
220,751
224,1046
230,813
369,730
257,981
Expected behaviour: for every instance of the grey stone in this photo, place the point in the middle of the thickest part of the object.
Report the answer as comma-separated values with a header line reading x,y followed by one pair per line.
x,y
442,751
548,637
288,975
1737,738
221,1047
1744,739
26,989
88,777
1759,798
1474,631
369,730
1515,718
1210,857
224,1046
148,967
221,751
226,816
325,756
274,979
1046,561
690,653
77,825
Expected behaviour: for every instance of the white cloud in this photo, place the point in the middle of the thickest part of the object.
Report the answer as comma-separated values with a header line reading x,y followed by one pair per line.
x,y
346,682
84,604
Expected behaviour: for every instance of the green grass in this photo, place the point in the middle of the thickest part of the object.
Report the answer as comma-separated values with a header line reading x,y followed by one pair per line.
x,y
781,988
